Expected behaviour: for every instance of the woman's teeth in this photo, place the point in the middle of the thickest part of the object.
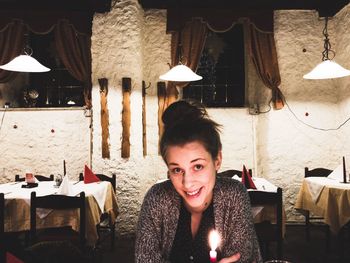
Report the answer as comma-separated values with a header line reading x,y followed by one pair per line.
x,y
193,193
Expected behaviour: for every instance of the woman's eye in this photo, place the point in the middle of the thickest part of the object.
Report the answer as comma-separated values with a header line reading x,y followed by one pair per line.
x,y
176,171
198,167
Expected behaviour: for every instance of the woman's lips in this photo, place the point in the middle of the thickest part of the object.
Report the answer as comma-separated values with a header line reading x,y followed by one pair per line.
x,y
193,194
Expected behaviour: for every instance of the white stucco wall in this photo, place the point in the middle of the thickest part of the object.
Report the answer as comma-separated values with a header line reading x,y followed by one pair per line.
x,y
131,42
287,143
38,140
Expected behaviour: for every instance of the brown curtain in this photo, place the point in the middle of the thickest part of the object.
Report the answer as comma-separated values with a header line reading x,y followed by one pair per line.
x,y
74,51
11,45
262,51
186,45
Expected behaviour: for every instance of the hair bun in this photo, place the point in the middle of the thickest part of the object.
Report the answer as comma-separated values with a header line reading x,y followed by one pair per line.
x,y
183,111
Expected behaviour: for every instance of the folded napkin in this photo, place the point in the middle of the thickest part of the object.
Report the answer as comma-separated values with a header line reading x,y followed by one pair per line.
x,y
236,177
10,258
89,176
65,187
337,173
247,179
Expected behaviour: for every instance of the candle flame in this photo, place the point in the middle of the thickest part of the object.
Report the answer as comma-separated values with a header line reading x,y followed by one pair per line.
x,y
214,239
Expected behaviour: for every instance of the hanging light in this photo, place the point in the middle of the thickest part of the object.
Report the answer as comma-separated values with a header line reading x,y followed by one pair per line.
x,y
328,68
180,73
25,63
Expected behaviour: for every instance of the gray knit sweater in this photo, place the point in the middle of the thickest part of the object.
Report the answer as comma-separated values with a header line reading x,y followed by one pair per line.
x,y
233,219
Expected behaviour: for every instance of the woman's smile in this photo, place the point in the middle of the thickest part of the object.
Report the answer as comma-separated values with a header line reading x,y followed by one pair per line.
x,y
194,193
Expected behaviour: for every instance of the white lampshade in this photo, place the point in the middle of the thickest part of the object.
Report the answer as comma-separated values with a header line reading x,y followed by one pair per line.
x,y
327,69
24,63
180,73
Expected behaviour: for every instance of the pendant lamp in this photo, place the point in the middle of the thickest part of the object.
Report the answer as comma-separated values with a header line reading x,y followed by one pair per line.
x,y
328,68
25,63
180,72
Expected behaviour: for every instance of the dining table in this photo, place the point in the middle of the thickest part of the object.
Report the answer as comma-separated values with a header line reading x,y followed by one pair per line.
x,y
99,196
325,197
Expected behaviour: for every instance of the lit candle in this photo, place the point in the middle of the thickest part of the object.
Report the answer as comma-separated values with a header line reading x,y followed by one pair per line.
x,y
214,240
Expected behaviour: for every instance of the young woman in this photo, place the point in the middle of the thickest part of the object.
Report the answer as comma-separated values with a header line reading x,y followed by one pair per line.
x,y
178,214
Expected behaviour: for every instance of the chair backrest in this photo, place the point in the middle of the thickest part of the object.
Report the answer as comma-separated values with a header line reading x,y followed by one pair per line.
x,y
103,177
262,198
232,172
59,202
39,177
319,172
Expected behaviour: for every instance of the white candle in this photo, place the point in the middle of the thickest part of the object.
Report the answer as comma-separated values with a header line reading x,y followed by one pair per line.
x,y
214,240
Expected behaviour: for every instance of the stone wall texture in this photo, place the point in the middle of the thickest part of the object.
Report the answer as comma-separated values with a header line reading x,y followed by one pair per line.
x,y
131,42
38,141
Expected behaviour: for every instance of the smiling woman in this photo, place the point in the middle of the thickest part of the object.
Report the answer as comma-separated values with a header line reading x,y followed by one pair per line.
x,y
177,215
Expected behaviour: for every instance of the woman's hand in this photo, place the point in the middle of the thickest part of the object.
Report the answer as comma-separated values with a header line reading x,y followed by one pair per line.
x,y
233,258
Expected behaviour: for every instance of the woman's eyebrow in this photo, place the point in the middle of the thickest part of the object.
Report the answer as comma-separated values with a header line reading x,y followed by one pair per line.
x,y
198,159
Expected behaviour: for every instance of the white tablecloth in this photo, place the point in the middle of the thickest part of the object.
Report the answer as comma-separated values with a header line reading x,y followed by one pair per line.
x,y
15,190
317,184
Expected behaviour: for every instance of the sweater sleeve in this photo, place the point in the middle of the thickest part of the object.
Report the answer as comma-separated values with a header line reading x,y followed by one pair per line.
x,y
148,236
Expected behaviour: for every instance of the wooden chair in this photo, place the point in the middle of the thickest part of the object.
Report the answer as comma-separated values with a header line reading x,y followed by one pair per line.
x,y
316,172
232,172
58,202
267,231
106,226
39,177
9,242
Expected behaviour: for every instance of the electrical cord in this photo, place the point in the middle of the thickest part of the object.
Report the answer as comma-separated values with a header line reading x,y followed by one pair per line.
x,y
2,118
311,126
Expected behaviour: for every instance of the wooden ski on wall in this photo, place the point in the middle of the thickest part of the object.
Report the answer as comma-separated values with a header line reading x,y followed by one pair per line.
x,y
103,82
126,117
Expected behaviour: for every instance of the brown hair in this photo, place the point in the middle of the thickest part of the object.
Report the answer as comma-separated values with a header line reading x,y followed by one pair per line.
x,y
187,121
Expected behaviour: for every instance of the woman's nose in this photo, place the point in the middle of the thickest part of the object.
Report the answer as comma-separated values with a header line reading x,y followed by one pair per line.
x,y
187,179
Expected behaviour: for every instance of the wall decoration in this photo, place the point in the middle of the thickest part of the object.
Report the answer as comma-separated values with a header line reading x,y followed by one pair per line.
x,y
103,82
126,117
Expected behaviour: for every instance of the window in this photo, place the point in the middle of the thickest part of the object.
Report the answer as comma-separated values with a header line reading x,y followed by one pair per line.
x,y
222,68
56,88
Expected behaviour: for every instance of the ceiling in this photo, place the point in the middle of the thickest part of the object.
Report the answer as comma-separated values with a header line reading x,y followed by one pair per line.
x,y
324,7
99,6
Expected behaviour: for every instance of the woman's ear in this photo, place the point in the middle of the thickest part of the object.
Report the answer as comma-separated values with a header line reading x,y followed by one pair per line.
x,y
218,161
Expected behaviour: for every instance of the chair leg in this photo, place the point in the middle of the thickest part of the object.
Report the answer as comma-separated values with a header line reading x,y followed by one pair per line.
x,y
112,237
328,238
279,249
267,251
307,225
341,245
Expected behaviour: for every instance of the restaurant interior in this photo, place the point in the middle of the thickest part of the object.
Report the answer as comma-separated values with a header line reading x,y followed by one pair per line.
x,y
93,107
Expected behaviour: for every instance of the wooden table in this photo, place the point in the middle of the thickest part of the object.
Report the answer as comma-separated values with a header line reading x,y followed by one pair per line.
x,y
100,197
327,198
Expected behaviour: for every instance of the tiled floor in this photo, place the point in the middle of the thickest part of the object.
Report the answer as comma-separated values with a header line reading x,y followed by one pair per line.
x,y
295,249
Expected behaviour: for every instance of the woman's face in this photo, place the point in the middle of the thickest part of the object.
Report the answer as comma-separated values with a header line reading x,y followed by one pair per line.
x,y
192,171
